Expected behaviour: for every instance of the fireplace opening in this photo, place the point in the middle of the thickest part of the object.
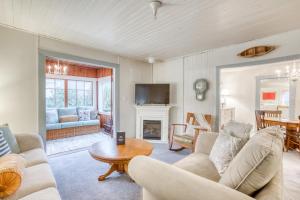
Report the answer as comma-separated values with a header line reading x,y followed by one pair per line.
x,y
152,129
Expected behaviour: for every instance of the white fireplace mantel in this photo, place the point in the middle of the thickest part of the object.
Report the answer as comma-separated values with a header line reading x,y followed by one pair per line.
x,y
153,112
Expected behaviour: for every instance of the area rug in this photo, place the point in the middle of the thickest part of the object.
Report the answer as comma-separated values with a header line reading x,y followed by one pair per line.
x,y
76,175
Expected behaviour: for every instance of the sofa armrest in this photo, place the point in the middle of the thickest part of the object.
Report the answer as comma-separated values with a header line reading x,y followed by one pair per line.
x,y
205,142
168,182
28,142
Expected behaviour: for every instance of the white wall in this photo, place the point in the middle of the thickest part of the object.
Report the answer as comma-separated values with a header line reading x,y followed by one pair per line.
x,y
172,72
203,65
131,72
19,78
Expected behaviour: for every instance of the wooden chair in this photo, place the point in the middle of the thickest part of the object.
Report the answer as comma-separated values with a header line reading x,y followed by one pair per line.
x,y
259,116
293,137
185,140
273,113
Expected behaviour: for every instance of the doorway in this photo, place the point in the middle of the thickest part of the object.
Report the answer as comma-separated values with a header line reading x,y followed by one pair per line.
x,y
258,87
79,103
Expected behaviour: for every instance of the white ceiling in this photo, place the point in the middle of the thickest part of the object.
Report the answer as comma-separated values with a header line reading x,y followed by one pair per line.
x,y
127,27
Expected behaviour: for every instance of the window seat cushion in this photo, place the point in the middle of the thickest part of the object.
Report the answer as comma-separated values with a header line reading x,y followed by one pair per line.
x,y
90,122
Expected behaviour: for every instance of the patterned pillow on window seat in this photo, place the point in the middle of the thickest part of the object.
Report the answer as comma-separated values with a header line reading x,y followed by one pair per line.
x,y
84,115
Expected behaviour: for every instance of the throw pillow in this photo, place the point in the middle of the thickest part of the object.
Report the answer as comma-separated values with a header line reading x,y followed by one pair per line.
x,y
202,121
93,111
51,116
84,115
94,114
10,138
238,129
257,163
4,148
11,172
224,150
68,118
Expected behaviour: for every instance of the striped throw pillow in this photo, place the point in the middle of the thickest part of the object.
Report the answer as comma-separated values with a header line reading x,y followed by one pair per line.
x,y
4,148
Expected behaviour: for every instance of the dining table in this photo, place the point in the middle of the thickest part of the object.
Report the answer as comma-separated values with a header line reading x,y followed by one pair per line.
x,y
290,125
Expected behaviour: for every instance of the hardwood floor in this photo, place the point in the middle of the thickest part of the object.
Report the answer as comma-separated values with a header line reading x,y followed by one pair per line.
x,y
73,143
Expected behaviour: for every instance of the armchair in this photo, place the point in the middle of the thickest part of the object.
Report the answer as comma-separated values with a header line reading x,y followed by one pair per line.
x,y
191,130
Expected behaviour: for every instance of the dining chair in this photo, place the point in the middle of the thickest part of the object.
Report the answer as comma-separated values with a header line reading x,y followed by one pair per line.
x,y
293,136
273,113
259,116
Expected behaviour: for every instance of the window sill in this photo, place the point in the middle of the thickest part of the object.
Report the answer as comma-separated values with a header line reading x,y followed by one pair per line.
x,y
104,113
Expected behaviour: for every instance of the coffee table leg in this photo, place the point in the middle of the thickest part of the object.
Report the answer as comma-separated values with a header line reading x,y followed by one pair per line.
x,y
113,168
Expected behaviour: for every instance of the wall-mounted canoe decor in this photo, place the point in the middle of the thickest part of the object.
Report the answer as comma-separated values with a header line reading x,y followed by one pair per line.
x,y
256,51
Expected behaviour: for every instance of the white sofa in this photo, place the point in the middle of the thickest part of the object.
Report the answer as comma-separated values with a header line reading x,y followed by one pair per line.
x,y
38,182
193,178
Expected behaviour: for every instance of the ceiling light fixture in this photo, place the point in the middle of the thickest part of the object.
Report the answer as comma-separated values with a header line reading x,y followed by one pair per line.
x,y
151,60
57,69
292,73
155,5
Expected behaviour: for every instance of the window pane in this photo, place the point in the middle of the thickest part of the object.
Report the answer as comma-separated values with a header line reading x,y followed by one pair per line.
x,y
49,83
106,96
59,84
80,97
80,85
60,98
50,100
72,98
88,85
88,98
71,84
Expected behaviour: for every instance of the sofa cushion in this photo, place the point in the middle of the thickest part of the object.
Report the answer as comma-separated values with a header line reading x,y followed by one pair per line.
x,y
36,178
199,164
257,163
34,157
51,116
71,124
225,148
45,194
10,138
90,122
68,118
53,126
67,111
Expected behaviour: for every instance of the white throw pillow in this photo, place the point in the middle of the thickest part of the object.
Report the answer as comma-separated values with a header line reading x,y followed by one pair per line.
x,y
224,150
238,129
257,163
202,121
84,115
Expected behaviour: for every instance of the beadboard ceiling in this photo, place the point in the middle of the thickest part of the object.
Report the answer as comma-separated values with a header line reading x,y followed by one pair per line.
x,y
127,27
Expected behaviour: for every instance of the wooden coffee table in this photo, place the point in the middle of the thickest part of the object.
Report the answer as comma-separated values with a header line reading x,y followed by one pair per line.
x,y
118,156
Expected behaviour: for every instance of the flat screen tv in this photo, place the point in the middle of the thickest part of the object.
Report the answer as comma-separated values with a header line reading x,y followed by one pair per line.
x,y
152,94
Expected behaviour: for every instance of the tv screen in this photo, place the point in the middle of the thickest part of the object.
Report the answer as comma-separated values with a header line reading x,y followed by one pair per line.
x,y
152,94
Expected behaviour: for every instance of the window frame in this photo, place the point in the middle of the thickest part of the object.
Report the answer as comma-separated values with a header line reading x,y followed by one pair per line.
x,y
67,78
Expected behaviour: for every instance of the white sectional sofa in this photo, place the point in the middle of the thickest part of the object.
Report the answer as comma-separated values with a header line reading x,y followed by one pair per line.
x,y
38,182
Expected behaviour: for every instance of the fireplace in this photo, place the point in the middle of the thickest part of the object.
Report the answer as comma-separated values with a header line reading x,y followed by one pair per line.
x,y
152,122
152,129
